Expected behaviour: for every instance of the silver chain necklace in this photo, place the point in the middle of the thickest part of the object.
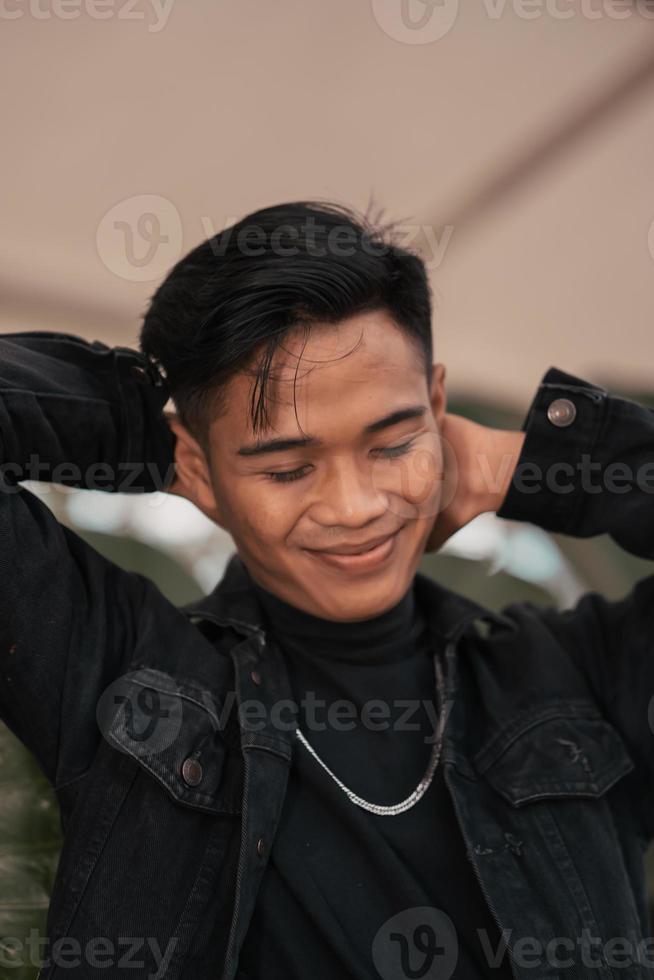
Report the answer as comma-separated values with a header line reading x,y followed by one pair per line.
x,y
425,782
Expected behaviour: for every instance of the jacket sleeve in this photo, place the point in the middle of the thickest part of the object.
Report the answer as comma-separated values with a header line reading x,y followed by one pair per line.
x,y
84,415
587,468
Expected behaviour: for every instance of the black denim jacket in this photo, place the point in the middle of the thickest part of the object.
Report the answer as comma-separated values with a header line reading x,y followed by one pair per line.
x,y
169,813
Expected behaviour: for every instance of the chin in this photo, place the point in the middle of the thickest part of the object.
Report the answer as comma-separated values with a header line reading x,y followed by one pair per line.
x,y
362,601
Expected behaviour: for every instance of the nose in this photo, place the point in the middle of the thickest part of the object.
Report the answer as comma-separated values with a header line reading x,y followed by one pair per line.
x,y
347,496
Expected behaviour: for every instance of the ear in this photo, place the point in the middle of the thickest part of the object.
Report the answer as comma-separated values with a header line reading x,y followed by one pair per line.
x,y
192,477
437,393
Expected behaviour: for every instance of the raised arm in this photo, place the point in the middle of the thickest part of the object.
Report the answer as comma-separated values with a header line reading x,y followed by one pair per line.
x,y
587,464
85,415
587,468
81,414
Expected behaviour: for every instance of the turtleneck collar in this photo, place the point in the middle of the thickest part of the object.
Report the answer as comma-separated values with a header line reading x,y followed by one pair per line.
x,y
385,638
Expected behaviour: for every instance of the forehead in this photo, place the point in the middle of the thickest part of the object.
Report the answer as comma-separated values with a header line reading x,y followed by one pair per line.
x,y
350,371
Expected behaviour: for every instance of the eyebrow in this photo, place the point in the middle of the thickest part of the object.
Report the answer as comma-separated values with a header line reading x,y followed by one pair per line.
x,y
281,444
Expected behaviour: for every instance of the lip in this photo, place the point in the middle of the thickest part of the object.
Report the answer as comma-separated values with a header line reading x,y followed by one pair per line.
x,y
360,561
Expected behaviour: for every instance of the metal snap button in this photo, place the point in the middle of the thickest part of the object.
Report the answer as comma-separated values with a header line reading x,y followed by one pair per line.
x,y
192,772
562,412
261,847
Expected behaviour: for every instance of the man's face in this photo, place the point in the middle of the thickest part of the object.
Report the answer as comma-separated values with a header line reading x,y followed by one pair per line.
x,y
363,466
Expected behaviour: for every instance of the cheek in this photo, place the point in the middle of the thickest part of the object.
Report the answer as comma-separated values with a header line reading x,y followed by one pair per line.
x,y
257,511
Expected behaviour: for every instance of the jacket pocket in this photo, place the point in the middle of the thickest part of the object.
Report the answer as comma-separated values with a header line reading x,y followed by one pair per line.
x,y
564,750
152,843
174,732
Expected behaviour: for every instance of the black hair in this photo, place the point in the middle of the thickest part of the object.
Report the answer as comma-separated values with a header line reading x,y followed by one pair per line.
x,y
289,266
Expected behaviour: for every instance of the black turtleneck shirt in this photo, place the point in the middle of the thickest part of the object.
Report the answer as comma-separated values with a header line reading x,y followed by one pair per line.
x,y
348,893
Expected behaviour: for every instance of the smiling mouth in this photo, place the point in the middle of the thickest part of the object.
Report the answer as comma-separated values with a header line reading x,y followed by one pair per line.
x,y
368,557
351,549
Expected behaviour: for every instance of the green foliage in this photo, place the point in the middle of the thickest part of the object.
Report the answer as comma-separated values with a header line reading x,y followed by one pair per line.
x,y
30,841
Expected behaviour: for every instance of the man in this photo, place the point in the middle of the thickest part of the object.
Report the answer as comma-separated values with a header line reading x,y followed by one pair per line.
x,y
481,806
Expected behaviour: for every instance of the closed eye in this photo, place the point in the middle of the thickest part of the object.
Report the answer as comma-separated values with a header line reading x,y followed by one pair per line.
x,y
289,476
286,476
390,451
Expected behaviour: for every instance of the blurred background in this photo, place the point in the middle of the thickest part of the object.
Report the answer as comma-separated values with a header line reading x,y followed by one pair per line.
x,y
513,142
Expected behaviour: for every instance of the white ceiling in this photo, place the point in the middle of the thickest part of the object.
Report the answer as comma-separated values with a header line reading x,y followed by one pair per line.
x,y
223,106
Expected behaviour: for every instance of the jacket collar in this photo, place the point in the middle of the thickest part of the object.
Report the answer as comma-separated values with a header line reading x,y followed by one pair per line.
x,y
233,603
